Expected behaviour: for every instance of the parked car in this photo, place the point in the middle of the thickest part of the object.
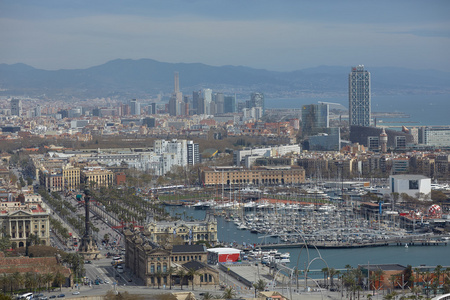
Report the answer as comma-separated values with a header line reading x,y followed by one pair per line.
x,y
61,296
76,293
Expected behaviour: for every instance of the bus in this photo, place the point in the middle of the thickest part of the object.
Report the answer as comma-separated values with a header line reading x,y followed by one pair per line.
x,y
26,296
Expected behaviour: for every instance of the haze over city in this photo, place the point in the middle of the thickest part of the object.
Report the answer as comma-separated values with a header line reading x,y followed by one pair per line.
x,y
273,35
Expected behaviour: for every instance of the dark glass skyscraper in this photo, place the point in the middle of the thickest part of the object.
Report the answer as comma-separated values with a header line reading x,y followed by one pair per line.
x,y
315,117
359,97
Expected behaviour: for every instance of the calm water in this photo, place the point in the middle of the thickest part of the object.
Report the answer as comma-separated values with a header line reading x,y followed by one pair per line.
x,y
422,109
335,258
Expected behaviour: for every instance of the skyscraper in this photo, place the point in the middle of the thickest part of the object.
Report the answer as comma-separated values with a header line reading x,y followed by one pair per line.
x,y
16,107
175,102
359,96
257,100
135,107
229,105
315,117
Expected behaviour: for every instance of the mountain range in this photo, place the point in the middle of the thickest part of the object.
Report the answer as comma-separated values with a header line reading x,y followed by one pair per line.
x,y
145,78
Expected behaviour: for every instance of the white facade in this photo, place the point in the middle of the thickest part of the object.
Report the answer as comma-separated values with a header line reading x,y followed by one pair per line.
x,y
410,184
240,155
438,136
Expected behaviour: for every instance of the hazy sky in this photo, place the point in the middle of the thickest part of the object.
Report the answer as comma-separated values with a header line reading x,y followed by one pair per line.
x,y
275,35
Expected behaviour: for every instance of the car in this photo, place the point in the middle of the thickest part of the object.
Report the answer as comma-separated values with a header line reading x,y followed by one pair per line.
x,y
43,298
52,296
61,296
107,282
76,293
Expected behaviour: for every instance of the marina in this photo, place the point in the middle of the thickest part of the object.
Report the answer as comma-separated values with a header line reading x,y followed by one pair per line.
x,y
422,249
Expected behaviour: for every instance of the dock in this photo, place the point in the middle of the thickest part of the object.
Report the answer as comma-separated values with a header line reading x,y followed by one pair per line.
x,y
409,241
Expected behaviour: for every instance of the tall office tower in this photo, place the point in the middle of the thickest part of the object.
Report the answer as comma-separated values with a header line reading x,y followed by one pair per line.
x,y
207,99
257,100
176,99
314,118
197,102
229,104
37,111
153,106
135,107
219,98
16,107
359,96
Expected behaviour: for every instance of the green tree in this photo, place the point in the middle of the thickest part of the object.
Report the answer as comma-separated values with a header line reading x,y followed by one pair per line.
x,y
181,273
259,286
48,278
170,271
229,293
59,280
191,274
158,275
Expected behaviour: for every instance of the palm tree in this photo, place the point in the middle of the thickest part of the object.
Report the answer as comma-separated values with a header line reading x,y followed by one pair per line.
x,y
207,296
16,279
170,272
48,278
181,273
260,285
325,272
333,272
158,275
59,279
229,293
191,273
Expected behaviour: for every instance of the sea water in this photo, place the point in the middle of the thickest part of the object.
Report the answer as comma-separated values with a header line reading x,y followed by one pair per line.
x,y
422,110
229,234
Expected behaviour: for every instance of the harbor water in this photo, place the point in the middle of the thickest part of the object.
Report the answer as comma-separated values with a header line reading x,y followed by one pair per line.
x,y
229,234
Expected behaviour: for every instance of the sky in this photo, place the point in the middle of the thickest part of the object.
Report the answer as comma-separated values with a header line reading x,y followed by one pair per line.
x,y
278,35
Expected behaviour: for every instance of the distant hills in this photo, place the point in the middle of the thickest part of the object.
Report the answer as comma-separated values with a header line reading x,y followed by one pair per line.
x,y
145,78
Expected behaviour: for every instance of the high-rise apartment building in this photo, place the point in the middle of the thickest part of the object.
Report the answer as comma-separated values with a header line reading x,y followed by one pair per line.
x,y
359,96
16,107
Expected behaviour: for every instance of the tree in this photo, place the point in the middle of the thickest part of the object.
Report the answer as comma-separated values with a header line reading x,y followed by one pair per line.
x,y
48,278
170,271
181,273
260,286
333,272
192,273
207,296
229,293
325,276
59,280
158,275
17,281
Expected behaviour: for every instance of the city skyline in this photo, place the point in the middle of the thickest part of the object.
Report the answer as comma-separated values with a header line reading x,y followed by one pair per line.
x,y
282,36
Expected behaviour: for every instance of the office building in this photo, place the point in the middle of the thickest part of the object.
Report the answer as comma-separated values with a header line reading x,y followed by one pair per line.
x,y
229,105
176,101
437,136
135,107
359,96
207,99
16,107
197,103
315,117
219,99
257,100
